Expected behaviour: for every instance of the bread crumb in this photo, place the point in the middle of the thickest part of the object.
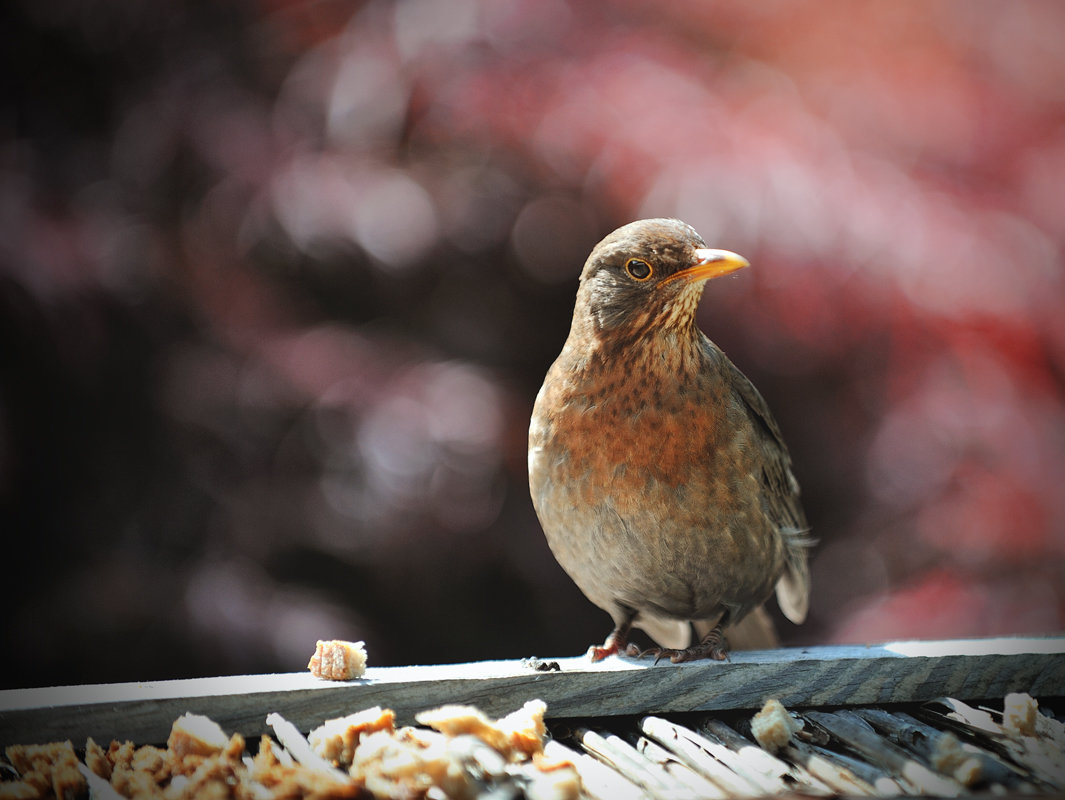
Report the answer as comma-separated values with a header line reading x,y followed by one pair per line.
x,y
153,761
335,740
524,728
25,789
396,766
1019,713
456,720
773,726
518,735
562,783
950,758
337,660
45,767
195,735
466,755
96,759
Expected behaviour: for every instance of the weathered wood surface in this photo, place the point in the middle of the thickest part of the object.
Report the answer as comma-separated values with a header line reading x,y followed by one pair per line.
x,y
810,676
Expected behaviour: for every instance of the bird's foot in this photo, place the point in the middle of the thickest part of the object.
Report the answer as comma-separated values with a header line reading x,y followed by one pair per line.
x,y
633,651
713,646
613,645
696,652
616,642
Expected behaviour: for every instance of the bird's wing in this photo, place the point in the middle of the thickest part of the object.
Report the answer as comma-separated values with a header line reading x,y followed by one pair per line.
x,y
782,500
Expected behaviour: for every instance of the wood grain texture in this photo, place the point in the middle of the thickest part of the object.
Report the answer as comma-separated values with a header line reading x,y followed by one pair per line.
x,y
811,676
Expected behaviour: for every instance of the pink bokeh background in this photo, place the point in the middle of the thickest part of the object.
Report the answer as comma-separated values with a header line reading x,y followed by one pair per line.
x,y
279,281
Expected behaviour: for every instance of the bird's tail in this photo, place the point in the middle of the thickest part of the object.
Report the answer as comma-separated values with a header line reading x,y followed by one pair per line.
x,y
793,588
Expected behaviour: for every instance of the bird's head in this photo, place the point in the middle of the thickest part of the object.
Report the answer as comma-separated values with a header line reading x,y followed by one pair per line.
x,y
646,278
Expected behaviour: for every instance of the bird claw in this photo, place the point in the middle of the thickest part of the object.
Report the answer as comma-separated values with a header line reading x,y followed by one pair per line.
x,y
658,652
715,650
713,646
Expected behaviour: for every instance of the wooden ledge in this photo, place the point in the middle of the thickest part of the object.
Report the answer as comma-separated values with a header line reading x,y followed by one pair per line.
x,y
810,676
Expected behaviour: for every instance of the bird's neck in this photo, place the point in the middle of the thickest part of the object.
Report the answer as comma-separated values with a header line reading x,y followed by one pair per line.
x,y
669,350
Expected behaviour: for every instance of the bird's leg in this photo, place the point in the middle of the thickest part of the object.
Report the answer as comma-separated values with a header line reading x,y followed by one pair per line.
x,y
618,638
714,646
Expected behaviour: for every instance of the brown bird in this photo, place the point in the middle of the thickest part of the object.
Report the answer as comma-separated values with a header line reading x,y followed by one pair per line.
x,y
656,468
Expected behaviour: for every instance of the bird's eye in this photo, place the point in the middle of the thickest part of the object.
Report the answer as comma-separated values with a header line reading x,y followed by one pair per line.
x,y
638,269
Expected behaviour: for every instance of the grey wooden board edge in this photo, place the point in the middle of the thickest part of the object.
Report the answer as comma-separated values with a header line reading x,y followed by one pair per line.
x,y
811,676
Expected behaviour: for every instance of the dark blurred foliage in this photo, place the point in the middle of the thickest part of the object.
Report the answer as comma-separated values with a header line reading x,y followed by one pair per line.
x,y
279,281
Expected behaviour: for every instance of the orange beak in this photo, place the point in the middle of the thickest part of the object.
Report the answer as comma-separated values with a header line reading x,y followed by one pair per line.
x,y
709,264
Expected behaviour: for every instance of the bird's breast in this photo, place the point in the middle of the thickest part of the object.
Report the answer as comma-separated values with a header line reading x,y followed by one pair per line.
x,y
645,489
623,429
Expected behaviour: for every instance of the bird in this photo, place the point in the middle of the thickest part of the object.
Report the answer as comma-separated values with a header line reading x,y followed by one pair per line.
x,y
658,473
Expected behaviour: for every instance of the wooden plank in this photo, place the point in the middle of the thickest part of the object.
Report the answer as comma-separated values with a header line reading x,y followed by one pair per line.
x,y
811,676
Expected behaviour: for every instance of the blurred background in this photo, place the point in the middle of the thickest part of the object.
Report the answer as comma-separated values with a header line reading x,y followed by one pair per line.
x,y
279,281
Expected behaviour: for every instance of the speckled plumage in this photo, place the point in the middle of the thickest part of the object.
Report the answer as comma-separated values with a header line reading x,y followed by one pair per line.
x,y
657,471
